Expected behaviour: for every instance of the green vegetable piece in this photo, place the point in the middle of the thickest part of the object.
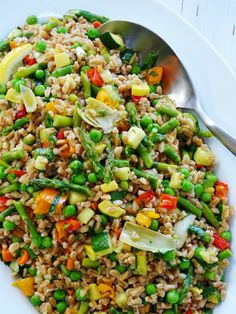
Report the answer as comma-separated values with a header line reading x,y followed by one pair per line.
x,y
169,256
92,177
93,33
14,154
32,19
172,296
150,177
186,286
40,74
40,46
62,71
154,225
3,88
47,242
209,215
61,306
136,69
171,153
169,126
62,30
88,16
75,275
86,84
39,90
149,61
164,109
35,301
184,264
200,232
27,71
101,242
62,121
76,166
69,211
95,135
79,297
188,205
225,254
121,269
10,188
83,309
9,225
59,295
151,289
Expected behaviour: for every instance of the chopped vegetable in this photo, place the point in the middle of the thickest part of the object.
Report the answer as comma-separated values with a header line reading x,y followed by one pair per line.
x,y
108,208
168,201
25,285
181,230
154,75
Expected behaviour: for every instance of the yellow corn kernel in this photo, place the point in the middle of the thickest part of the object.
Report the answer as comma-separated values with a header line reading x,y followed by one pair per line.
x,y
109,187
143,220
90,252
196,290
152,215
61,59
26,285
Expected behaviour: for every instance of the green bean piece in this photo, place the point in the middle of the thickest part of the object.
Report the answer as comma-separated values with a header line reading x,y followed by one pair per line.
x,y
225,254
16,126
27,71
36,237
209,215
88,16
188,205
62,71
6,212
61,185
132,114
161,166
155,137
121,163
10,188
200,232
186,286
171,153
169,126
145,155
150,177
89,148
109,164
86,84
76,117
62,121
164,109
14,154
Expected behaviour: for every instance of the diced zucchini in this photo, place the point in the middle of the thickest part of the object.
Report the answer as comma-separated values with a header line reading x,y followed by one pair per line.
x,y
109,187
83,309
142,263
112,41
106,55
61,59
85,215
203,156
44,134
108,208
122,173
101,242
128,56
40,163
87,262
90,252
76,197
104,252
176,180
94,293
135,136
121,299
140,90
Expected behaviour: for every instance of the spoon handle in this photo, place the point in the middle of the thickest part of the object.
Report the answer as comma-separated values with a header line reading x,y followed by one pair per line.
x,y
224,137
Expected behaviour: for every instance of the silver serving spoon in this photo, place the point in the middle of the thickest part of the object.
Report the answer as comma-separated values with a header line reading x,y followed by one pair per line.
x,y
175,82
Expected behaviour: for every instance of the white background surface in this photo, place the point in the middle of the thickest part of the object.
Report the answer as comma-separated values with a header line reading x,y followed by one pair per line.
x,y
215,19
208,71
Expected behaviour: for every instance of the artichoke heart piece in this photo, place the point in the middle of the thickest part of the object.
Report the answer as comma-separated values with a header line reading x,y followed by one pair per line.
x,y
99,115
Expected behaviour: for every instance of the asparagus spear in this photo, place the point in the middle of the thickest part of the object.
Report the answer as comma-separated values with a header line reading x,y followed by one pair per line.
x,y
28,70
145,155
132,114
150,177
189,206
62,185
109,165
14,154
89,148
10,188
6,212
16,126
36,237
209,215
186,286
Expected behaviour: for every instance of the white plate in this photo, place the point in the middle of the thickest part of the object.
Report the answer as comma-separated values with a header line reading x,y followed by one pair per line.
x,y
214,81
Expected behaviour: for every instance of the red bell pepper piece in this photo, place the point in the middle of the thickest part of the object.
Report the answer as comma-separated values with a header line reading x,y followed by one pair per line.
x,y
21,113
136,99
29,61
95,77
60,135
17,172
219,242
96,24
3,201
168,201
73,224
221,190
189,312
146,196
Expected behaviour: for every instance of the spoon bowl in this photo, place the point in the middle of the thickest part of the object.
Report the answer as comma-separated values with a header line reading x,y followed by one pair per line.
x,y
176,82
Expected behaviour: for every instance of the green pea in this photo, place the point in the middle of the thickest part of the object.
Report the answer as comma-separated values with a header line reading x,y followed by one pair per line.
x,y
78,295
39,90
62,30
3,88
124,185
205,197
92,177
61,307
152,88
145,121
154,102
184,264
59,295
226,235
9,226
40,46
185,172
95,135
187,186
151,289
69,211
169,191
2,172
93,33
165,183
198,189
40,74
35,300
121,269
75,275
18,83
169,256
154,225
172,296
79,179
31,20
112,257
104,219
47,242
76,166
136,69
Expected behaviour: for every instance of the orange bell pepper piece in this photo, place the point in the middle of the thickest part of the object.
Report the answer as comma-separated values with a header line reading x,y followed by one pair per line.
x,y
68,151
7,256
23,259
221,190
154,75
45,199
70,263
26,285
104,288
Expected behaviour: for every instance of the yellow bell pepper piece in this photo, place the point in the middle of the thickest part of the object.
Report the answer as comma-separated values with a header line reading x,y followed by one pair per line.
x,y
109,187
105,98
104,288
61,59
140,90
94,293
26,285
143,220
152,215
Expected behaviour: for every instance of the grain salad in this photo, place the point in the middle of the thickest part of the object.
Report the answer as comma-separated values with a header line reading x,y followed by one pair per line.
x,y
109,202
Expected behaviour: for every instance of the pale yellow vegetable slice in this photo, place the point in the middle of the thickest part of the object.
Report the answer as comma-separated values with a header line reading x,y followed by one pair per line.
x,y
29,98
